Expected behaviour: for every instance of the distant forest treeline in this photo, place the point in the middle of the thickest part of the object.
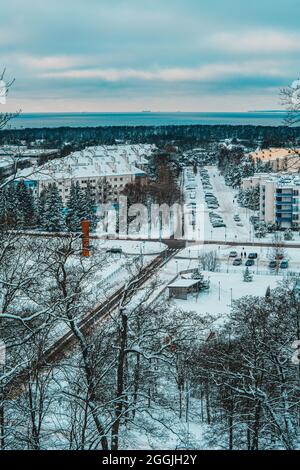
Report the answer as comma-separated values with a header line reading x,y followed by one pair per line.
x,y
268,135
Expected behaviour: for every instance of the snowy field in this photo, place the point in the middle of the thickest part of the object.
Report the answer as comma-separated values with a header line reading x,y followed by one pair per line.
x,y
223,291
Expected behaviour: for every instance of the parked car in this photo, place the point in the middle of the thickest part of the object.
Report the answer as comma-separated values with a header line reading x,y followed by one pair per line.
x,y
219,224
272,264
284,264
237,262
114,251
252,255
233,254
250,262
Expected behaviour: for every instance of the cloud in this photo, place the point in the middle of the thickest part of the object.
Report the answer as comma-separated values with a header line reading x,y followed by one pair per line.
x,y
124,51
256,41
52,62
214,72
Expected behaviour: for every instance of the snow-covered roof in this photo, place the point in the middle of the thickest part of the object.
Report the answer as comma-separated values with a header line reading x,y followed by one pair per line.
x,y
273,154
22,150
92,162
184,283
5,162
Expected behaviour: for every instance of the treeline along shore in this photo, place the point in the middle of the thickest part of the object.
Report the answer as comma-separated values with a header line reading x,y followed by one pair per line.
x,y
269,135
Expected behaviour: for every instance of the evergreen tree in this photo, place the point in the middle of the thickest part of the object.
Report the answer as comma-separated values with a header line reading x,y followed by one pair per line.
x,y
25,206
80,207
268,293
247,276
53,210
72,219
89,205
288,235
40,208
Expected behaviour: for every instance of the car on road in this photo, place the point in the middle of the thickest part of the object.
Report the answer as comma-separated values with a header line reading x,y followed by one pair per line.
x,y
233,254
252,255
237,262
284,264
250,262
272,264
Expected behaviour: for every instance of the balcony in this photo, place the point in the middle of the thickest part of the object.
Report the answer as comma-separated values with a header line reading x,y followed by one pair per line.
x,y
287,194
280,218
284,212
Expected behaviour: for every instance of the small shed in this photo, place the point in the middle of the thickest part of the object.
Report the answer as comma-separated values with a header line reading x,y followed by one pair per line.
x,y
180,288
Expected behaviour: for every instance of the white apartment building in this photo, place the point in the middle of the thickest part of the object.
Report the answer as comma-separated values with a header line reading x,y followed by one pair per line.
x,y
279,198
106,169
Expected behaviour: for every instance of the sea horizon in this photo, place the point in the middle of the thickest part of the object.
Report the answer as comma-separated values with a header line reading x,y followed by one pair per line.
x,y
146,118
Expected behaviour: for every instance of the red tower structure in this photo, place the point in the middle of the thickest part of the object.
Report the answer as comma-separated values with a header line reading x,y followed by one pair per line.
x,y
85,225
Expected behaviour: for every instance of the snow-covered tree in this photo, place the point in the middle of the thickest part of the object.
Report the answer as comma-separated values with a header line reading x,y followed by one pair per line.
x,y
247,276
288,235
53,219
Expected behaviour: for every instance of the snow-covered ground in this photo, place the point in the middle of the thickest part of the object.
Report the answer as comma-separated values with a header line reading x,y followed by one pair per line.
x,y
264,256
223,291
130,247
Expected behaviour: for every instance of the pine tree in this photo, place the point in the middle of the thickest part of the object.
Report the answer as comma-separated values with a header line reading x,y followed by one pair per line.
x,y
88,202
25,206
247,276
40,208
268,293
80,206
53,210
11,205
72,220
288,235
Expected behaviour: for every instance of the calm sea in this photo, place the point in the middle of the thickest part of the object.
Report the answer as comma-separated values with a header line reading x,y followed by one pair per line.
x,y
145,119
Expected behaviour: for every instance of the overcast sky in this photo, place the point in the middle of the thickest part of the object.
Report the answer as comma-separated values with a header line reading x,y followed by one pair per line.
x,y
163,55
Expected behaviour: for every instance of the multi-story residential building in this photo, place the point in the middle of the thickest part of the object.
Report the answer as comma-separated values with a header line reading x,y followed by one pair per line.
x,y
253,181
107,170
279,159
279,198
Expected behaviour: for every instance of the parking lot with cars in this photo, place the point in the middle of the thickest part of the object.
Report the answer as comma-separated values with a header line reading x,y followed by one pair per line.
x,y
223,219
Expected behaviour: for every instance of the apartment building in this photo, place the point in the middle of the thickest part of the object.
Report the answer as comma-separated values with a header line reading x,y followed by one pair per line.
x,y
106,169
279,198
